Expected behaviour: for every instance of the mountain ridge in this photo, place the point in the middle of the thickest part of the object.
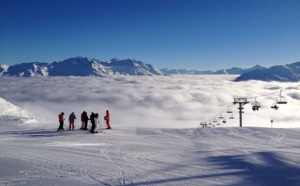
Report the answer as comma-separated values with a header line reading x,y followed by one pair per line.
x,y
232,71
80,66
281,73
83,66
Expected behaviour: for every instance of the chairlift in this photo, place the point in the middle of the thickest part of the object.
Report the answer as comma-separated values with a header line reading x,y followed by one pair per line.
x,y
215,120
274,106
254,108
231,117
281,99
229,110
224,120
221,117
256,105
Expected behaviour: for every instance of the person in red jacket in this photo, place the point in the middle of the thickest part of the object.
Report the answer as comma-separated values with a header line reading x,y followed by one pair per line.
x,y
107,119
83,120
61,121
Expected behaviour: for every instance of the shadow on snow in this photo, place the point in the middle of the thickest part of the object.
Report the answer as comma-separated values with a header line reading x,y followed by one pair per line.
x,y
272,172
41,133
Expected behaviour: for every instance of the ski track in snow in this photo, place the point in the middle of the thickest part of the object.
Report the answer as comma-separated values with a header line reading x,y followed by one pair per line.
x,y
145,156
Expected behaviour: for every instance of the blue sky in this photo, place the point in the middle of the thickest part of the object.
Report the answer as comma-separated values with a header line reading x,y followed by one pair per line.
x,y
191,34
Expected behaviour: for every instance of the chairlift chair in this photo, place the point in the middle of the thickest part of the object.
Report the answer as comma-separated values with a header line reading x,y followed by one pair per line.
x,y
281,99
274,106
215,120
229,111
256,105
221,117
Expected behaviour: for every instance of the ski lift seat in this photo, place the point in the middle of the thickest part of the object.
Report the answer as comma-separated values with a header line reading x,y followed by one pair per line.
x,y
255,107
281,99
275,107
282,102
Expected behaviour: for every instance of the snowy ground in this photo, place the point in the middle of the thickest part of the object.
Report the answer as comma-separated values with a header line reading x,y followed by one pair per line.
x,y
148,156
156,138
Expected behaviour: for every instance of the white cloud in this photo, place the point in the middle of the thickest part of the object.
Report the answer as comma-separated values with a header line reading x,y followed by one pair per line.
x,y
155,101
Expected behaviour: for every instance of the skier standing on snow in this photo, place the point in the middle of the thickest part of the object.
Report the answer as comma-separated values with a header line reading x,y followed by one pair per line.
x,y
92,118
72,118
61,121
86,119
107,119
82,120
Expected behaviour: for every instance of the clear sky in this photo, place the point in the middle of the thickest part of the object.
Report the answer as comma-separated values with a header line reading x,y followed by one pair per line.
x,y
190,34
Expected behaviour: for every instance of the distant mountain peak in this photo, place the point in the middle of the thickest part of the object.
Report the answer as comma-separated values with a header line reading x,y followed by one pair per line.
x,y
282,73
80,66
229,71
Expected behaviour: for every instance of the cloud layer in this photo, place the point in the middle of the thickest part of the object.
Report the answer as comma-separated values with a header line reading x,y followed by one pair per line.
x,y
155,101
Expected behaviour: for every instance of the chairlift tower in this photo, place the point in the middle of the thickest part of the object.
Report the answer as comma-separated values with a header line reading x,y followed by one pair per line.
x,y
241,102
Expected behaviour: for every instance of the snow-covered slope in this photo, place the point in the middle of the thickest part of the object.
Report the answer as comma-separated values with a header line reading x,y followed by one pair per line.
x,y
10,112
7,108
80,66
148,156
282,73
34,153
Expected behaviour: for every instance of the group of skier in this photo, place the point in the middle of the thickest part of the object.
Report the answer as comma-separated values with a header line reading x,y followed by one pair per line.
x,y
94,118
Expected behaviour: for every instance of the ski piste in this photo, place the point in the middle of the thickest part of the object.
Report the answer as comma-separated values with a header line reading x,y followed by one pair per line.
x,y
76,131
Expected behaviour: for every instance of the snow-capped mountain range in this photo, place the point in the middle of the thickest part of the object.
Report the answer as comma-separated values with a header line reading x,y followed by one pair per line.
x,y
82,66
233,70
282,73
79,66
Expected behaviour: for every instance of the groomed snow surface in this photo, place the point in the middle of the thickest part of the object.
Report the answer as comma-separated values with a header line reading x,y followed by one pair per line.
x,y
148,156
138,152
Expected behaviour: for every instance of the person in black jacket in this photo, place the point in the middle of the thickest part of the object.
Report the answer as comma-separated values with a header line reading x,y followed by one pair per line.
x,y
86,119
92,118
72,118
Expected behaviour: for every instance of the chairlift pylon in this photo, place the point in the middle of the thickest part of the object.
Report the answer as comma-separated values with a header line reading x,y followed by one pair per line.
x,y
204,124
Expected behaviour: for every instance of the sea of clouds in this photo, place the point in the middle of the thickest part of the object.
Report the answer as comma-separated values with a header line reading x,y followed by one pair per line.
x,y
154,101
